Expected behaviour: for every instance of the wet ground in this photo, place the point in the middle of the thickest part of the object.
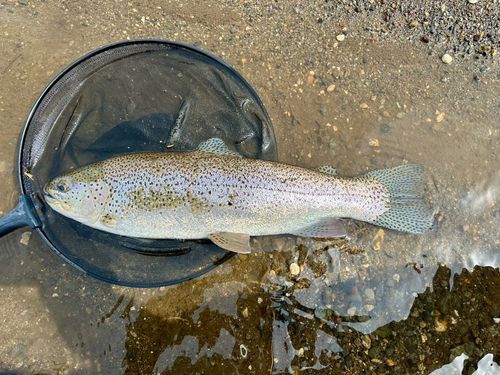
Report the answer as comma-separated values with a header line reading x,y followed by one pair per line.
x,y
359,86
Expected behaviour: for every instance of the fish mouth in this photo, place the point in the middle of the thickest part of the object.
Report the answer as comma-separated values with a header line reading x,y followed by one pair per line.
x,y
51,200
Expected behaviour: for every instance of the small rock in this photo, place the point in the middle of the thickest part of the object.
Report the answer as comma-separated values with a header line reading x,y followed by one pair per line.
x,y
366,341
9,172
389,363
395,277
294,269
441,325
375,352
330,88
426,39
25,238
385,128
279,243
440,117
233,30
385,114
447,59
340,37
259,300
310,80
400,115
368,308
351,311
473,1
369,293
414,24
245,312
364,105
319,312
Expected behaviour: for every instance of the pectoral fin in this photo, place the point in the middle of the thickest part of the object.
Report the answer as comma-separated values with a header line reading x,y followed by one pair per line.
x,y
237,242
109,220
331,228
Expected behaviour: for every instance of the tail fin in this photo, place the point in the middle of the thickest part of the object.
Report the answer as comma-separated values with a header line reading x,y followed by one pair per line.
x,y
409,212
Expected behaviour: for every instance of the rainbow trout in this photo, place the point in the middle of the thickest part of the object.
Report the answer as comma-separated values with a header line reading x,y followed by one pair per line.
x,y
215,193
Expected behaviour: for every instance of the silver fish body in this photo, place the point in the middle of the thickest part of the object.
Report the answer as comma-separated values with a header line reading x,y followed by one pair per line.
x,y
200,194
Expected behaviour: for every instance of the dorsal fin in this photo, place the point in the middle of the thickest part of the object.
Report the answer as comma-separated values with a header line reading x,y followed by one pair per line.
x,y
328,169
217,146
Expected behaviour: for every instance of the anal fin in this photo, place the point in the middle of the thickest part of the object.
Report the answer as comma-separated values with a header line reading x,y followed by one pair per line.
x,y
331,228
237,242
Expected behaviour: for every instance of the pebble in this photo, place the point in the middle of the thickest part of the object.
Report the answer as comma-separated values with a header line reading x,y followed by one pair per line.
x,y
351,311
9,172
340,37
473,1
440,117
389,363
364,105
279,244
395,277
385,128
245,312
366,341
330,88
310,80
441,326
368,308
320,313
414,24
25,238
294,269
447,59
369,293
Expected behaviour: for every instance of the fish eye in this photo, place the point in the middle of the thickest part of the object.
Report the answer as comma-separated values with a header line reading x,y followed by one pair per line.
x,y
62,186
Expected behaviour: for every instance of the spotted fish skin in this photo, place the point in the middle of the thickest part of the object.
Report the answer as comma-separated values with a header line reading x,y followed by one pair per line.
x,y
192,195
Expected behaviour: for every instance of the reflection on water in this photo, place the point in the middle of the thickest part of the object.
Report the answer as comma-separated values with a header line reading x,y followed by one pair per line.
x,y
483,195
402,320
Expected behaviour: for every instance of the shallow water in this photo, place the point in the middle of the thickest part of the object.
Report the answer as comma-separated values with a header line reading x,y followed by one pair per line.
x,y
383,302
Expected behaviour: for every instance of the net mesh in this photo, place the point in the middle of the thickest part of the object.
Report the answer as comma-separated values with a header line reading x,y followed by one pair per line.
x,y
134,97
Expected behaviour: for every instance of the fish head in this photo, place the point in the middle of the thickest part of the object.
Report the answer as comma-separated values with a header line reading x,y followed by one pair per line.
x,y
78,195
